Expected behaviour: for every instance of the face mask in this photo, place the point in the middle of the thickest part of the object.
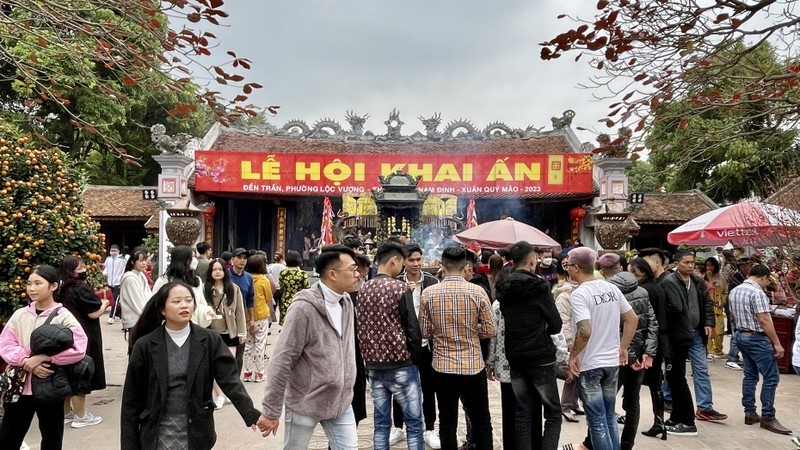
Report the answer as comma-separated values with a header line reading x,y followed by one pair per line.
x,y
547,261
83,275
193,264
114,253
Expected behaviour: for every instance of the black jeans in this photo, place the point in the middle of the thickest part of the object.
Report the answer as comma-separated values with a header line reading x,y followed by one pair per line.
x,y
631,382
428,393
536,390
508,405
682,403
17,420
653,378
473,391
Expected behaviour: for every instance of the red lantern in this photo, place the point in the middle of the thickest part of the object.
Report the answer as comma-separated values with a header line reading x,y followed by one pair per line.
x,y
576,214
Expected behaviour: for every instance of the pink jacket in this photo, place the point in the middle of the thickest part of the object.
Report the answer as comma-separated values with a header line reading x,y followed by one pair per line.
x,y
15,338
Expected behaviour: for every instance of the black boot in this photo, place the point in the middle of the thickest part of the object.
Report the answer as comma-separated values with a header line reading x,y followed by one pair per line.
x,y
658,411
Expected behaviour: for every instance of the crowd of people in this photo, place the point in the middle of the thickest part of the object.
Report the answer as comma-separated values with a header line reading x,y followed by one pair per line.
x,y
427,345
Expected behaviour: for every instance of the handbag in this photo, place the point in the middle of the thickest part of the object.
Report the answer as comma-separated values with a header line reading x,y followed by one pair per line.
x,y
12,382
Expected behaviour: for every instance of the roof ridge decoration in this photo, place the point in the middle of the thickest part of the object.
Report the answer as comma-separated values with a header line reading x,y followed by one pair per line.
x,y
457,130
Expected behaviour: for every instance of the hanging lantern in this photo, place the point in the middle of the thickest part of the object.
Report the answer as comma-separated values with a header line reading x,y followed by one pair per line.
x,y
576,214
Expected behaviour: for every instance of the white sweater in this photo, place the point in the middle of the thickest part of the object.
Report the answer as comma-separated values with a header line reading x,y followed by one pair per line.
x,y
134,292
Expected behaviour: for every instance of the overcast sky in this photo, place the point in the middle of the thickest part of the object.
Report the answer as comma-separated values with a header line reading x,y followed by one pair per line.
x,y
477,60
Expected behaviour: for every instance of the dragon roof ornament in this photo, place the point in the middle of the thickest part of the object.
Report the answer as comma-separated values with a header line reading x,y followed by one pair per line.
x,y
456,130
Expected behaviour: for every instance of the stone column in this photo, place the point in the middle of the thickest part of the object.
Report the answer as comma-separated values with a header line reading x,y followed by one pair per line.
x,y
611,228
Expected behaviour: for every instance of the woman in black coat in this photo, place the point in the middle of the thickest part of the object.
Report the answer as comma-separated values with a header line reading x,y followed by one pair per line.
x,y
167,400
87,307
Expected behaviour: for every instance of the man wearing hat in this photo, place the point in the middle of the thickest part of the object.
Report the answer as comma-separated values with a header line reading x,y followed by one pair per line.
x,y
245,282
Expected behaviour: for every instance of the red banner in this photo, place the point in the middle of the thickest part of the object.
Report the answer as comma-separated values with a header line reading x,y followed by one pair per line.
x,y
475,175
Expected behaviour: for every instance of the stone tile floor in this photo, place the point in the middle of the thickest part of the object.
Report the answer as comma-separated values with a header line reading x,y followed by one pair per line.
x,y
232,434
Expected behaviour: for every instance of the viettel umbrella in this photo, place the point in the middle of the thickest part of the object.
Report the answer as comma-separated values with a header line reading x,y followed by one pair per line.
x,y
502,233
747,223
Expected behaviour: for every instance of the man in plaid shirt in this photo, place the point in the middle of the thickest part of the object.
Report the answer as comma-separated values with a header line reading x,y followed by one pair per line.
x,y
455,315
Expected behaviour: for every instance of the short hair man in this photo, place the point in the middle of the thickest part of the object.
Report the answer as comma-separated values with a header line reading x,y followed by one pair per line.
x,y
658,260
755,335
546,266
389,337
418,280
644,344
244,280
314,373
598,349
691,311
531,317
455,315
203,259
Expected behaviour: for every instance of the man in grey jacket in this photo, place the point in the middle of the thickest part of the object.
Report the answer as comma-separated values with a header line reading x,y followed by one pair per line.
x,y
313,366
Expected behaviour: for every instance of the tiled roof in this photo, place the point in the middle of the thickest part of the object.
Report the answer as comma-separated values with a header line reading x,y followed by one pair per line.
x,y
152,223
788,196
546,143
118,202
672,207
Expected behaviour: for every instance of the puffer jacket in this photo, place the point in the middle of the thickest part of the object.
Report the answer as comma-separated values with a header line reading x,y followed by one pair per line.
x,y
531,317
561,294
645,340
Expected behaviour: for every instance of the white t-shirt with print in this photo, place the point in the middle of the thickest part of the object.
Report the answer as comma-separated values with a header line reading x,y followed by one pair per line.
x,y
602,303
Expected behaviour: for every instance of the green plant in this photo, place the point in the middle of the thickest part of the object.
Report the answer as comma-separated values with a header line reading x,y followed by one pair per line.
x,y
41,216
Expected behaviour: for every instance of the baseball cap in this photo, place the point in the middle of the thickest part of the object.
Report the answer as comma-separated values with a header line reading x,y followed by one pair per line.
x,y
608,260
239,251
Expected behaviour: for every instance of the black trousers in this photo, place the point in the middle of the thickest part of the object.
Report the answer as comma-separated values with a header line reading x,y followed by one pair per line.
x,y
682,403
536,394
653,379
508,405
17,421
425,368
631,382
473,391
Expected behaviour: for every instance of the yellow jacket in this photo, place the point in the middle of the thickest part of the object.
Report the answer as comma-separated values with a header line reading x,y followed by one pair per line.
x,y
263,296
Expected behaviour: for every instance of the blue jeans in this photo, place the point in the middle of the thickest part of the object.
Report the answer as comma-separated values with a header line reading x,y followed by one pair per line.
x,y
759,357
598,391
733,354
700,378
402,384
340,431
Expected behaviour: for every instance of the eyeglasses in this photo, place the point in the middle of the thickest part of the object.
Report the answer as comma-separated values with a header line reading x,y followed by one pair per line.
x,y
353,268
566,266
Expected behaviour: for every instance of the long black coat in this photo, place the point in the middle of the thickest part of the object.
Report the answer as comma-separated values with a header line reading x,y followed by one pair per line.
x,y
145,392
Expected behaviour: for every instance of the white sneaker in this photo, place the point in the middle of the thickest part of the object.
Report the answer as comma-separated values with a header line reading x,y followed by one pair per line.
x,y
110,321
733,365
432,439
86,421
219,402
69,417
396,435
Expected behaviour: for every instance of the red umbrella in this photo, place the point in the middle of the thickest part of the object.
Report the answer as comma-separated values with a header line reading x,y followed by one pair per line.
x,y
747,223
502,233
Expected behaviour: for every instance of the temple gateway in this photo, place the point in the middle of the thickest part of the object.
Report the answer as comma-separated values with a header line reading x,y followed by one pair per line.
x,y
264,187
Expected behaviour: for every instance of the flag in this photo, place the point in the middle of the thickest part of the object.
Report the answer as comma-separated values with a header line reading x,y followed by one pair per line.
x,y
472,217
326,231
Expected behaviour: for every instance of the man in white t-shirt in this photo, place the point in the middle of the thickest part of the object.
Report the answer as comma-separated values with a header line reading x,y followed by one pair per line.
x,y
598,351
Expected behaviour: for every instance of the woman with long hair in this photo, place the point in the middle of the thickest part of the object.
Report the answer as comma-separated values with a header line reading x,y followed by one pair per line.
x,y
180,269
134,291
495,269
263,313
292,280
645,277
569,393
171,370
718,291
15,350
87,308
226,300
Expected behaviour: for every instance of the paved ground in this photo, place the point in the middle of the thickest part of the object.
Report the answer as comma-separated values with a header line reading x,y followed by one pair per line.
x,y
232,434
